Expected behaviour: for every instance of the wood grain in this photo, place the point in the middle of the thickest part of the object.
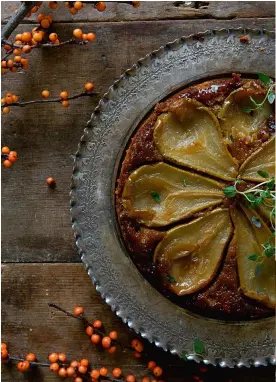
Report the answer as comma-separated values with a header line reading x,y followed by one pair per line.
x,y
28,324
153,10
36,223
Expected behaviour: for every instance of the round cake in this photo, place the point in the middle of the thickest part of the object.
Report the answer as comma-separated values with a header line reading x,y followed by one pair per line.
x,y
195,198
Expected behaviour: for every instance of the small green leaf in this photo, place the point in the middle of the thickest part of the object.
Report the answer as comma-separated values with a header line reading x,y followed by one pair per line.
x,y
247,109
230,191
171,279
265,194
155,196
253,257
258,201
264,78
258,270
271,97
256,222
262,173
184,182
231,138
270,184
251,197
184,357
199,347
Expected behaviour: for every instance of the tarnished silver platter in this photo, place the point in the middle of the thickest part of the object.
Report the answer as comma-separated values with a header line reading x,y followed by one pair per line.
x,y
113,122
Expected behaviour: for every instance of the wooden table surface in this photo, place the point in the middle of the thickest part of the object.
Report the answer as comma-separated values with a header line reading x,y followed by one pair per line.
x,y
39,256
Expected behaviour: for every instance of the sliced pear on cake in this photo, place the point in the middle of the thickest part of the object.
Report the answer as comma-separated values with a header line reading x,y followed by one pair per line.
x,y
262,159
252,234
234,120
190,254
160,194
190,136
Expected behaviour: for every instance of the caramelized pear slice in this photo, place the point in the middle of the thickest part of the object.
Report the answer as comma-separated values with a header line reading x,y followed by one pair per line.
x,y
189,255
190,136
249,240
158,195
234,120
261,159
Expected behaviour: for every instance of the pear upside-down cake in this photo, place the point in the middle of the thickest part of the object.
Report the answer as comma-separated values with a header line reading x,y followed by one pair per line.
x,y
195,198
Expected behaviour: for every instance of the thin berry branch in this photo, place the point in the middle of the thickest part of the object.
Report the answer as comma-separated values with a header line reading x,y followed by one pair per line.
x,y
25,103
46,45
7,55
42,364
16,18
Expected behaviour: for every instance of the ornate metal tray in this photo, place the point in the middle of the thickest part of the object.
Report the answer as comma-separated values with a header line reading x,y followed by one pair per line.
x,y
128,100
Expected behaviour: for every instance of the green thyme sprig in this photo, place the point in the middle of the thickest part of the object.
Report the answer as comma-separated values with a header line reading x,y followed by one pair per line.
x,y
268,251
199,350
270,95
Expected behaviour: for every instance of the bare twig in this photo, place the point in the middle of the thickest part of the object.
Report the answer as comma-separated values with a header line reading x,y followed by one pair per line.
x,y
23,104
16,18
6,56
46,45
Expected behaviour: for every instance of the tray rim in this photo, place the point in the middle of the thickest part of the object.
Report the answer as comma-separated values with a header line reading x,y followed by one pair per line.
x,y
264,360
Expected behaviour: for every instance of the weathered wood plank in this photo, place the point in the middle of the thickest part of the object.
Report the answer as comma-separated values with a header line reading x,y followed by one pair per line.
x,y
28,324
153,10
36,223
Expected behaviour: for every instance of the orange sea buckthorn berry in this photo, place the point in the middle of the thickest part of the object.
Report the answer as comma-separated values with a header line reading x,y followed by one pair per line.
x,y
137,354
19,42
6,110
74,363
89,87
14,98
5,150
28,14
78,309
3,344
53,357
63,95
130,378
3,101
151,365
95,374
106,342
111,350
77,33
73,11
41,17
31,357
4,71
146,379
62,372
26,49
18,37
103,371
65,103
25,63
54,367
26,36
45,23
84,362
3,64
4,352
116,372
45,93
100,6
53,4
89,331
113,335
78,379
70,371
8,99
84,37
17,51
135,4
17,59
38,36
53,37
23,366
10,63
82,369
97,324
7,163
62,357
56,42
157,371
49,18
14,69
7,47
137,345
34,9
91,36
95,338
78,5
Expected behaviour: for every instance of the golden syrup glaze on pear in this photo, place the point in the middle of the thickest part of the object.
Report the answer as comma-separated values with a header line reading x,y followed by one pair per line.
x,y
193,251
249,240
181,194
261,159
190,136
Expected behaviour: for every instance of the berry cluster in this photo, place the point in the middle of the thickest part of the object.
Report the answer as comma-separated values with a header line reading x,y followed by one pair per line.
x,y
8,156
